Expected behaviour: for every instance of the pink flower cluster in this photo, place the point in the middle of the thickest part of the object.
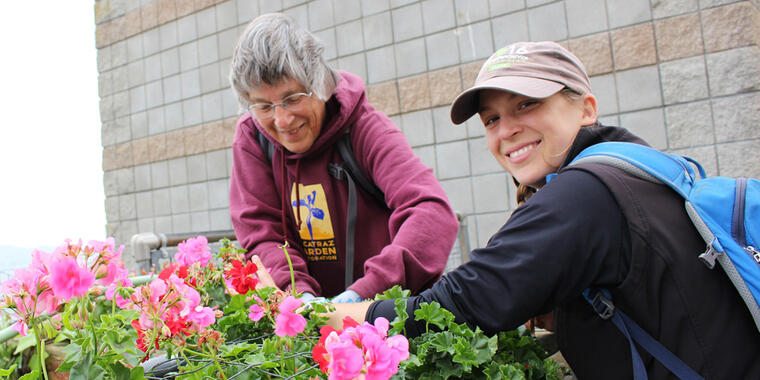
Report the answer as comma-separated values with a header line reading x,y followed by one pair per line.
x,y
193,251
54,278
360,351
287,321
169,308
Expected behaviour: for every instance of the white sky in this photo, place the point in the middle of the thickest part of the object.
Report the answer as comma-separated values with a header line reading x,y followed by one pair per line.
x,y
50,148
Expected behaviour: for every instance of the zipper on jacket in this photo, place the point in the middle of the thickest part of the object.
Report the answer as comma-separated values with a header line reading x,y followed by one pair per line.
x,y
737,222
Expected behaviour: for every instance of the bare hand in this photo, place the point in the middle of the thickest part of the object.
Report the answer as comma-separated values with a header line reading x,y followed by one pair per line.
x,y
356,311
543,321
265,279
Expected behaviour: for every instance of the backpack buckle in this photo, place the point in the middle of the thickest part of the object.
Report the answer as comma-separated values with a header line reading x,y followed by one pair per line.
x,y
709,256
603,306
337,171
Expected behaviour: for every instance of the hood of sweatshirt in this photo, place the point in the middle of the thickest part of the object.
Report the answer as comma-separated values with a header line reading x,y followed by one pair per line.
x,y
596,134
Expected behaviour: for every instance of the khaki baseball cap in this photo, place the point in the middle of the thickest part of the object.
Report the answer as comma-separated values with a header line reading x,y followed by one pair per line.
x,y
533,69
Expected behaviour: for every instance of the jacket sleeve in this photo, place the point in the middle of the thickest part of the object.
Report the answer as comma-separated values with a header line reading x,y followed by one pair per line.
x,y
569,235
422,224
256,212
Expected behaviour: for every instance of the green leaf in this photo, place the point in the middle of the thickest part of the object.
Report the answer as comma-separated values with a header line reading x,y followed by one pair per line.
x,y
395,292
237,349
7,372
464,355
512,371
94,372
86,369
435,314
25,342
119,372
237,302
73,355
398,323
34,375
138,373
127,350
443,342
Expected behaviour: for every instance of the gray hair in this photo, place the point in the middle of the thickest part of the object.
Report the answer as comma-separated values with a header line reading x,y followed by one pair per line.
x,y
273,48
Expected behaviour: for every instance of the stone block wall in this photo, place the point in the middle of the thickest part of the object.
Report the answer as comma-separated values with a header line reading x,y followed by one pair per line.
x,y
684,74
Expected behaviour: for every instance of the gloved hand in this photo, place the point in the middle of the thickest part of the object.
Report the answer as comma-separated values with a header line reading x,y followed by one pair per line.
x,y
348,296
309,298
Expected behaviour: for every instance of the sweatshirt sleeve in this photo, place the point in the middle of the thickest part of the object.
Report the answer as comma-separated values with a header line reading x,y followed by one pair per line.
x,y
569,235
422,224
256,212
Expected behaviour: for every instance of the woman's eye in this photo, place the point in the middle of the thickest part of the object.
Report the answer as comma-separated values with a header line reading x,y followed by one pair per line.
x,y
526,104
490,121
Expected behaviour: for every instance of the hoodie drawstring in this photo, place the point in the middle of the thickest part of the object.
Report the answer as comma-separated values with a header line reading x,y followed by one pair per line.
x,y
284,205
298,193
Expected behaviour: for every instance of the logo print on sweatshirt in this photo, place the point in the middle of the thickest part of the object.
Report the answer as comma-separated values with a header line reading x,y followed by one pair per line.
x,y
316,226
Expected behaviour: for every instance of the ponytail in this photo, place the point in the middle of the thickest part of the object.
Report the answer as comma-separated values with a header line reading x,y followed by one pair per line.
x,y
523,193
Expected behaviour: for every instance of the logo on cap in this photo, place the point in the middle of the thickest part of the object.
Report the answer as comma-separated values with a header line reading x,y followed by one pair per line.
x,y
505,57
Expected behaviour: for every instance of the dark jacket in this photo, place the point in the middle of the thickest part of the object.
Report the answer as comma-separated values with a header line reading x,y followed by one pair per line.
x,y
596,226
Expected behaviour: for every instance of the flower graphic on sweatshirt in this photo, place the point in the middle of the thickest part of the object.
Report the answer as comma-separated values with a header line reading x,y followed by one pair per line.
x,y
313,210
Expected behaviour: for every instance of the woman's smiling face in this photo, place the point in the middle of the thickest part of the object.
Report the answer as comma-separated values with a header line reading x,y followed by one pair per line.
x,y
296,127
531,137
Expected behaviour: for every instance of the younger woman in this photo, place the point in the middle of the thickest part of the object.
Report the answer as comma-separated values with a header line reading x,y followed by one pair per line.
x,y
591,226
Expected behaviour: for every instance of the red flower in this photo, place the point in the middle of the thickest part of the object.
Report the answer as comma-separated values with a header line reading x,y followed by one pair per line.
x,y
166,272
349,322
242,278
141,344
178,325
181,271
319,352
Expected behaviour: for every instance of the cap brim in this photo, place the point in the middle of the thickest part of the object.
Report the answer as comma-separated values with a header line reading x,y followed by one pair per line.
x,y
466,104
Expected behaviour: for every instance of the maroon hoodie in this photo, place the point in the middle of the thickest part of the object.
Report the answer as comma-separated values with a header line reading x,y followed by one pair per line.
x,y
406,243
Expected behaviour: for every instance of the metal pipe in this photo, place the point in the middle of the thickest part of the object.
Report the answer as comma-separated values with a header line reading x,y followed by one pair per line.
x,y
172,240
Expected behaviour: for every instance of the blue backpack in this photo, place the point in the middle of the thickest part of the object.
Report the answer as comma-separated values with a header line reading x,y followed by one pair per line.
x,y
725,211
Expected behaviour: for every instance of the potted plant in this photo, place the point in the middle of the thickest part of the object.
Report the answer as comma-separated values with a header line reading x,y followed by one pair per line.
x,y
206,316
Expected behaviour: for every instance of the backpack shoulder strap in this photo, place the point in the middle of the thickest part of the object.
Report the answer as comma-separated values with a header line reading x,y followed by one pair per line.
x,y
353,169
265,145
646,163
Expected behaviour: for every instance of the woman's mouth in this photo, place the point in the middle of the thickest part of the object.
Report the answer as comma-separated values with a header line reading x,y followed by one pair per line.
x,y
290,132
522,153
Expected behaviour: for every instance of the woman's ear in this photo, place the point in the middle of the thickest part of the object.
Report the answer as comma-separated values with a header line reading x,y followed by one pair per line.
x,y
589,109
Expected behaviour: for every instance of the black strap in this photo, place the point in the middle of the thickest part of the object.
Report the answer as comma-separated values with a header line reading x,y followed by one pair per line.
x,y
601,301
265,145
339,172
354,171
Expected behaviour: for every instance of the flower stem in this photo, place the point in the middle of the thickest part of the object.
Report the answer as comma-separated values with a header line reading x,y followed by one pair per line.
x,y
290,266
211,354
40,348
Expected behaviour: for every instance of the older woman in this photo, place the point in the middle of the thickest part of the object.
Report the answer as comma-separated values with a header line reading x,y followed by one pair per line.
x,y
591,226
297,194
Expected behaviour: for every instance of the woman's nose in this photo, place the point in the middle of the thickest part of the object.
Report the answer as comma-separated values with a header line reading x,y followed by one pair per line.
x,y
282,117
507,128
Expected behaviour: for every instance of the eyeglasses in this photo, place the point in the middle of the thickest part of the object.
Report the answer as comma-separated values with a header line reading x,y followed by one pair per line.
x,y
290,102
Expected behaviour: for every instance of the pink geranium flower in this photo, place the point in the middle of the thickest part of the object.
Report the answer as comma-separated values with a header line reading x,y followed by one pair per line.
x,y
287,322
378,356
106,249
256,312
202,317
192,251
346,358
68,279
